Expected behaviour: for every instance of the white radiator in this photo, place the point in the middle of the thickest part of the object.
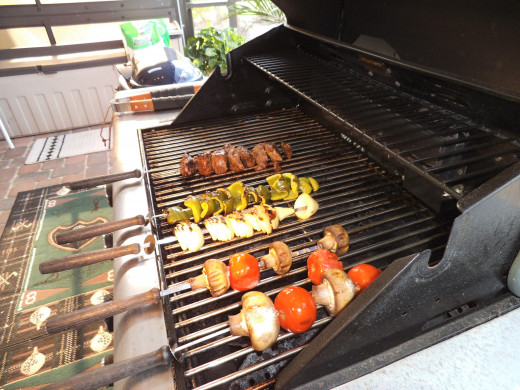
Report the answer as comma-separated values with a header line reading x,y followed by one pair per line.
x,y
35,104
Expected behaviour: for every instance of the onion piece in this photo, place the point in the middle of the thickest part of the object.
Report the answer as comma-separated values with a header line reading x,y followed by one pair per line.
x,y
305,206
240,225
283,212
189,236
219,228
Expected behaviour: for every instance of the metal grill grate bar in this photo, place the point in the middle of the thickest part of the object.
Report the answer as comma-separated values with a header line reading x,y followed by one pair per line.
x,y
363,104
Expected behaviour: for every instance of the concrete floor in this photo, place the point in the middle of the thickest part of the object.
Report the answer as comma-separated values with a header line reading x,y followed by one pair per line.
x,y
16,177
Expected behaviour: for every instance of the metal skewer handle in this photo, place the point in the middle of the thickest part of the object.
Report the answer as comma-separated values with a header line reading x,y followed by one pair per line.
x,y
83,259
109,309
106,179
103,376
99,229
99,312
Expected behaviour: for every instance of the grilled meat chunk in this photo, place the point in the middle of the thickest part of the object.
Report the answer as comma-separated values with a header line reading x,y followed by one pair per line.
x,y
219,161
272,151
260,156
277,166
204,163
235,164
246,156
188,165
287,149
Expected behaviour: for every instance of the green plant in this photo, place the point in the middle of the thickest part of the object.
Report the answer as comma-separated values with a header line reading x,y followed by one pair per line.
x,y
209,46
264,9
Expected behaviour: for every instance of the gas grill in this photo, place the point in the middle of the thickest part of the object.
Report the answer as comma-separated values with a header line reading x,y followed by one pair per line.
x,y
421,168
384,224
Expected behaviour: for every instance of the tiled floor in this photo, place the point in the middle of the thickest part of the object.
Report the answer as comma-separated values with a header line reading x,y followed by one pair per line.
x,y
15,176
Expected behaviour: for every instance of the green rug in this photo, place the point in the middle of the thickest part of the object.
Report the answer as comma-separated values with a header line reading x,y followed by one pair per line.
x,y
62,214
28,357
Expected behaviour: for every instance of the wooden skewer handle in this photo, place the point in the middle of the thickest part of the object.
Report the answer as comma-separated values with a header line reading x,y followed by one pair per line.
x,y
99,229
83,259
103,376
101,180
98,312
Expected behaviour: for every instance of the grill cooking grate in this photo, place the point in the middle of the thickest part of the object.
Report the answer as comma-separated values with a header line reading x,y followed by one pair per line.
x,y
446,149
383,221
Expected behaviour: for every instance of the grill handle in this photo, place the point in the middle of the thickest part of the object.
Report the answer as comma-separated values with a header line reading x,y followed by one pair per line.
x,y
106,179
99,229
83,259
103,376
94,313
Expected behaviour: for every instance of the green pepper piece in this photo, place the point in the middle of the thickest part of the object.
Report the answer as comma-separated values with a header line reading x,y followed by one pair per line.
x,y
208,207
221,193
236,189
240,203
304,186
293,183
252,197
280,189
229,205
176,214
194,204
305,180
314,184
218,197
264,193
271,180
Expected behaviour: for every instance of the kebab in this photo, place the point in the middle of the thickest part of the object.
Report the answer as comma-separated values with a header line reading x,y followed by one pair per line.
x,y
215,274
238,220
235,159
237,197
294,308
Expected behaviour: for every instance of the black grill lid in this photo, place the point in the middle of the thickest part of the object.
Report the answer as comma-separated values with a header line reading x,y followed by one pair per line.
x,y
473,40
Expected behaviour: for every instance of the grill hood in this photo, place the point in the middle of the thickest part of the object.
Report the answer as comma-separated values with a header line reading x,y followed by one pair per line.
x,y
478,41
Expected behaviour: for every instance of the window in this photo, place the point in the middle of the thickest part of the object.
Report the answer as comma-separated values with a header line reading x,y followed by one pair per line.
x,y
43,28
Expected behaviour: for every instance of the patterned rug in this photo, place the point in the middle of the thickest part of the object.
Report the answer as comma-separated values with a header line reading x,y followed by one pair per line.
x,y
67,145
28,357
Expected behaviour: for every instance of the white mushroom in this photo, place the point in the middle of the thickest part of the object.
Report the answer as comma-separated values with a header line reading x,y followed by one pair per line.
x,y
335,239
279,258
214,277
258,319
335,291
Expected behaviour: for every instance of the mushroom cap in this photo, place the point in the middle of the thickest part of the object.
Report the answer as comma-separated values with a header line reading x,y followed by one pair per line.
x,y
261,319
341,237
217,275
283,256
341,290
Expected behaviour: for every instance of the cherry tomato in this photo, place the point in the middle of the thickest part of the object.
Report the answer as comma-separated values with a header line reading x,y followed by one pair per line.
x,y
319,261
363,275
244,272
296,309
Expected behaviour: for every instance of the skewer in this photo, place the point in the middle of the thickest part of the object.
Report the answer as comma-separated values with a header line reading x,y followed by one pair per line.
x,y
83,233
